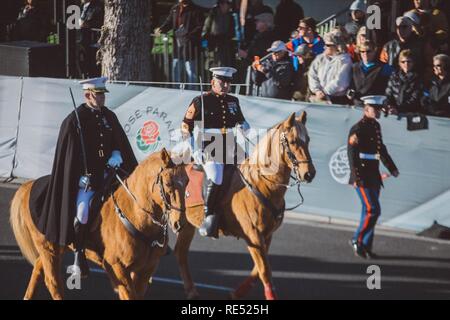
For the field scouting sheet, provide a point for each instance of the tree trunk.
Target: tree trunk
(125, 40)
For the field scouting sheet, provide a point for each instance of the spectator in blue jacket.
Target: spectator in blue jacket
(309, 36)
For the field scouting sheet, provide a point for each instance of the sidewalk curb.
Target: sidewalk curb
(339, 221)
(324, 221)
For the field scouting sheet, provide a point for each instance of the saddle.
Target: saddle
(196, 188)
(39, 191)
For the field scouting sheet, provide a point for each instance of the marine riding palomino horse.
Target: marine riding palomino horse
(253, 205)
(150, 199)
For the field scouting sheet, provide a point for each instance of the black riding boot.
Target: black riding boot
(210, 222)
(80, 264)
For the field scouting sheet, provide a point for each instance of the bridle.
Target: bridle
(295, 167)
(295, 163)
(164, 221)
(168, 207)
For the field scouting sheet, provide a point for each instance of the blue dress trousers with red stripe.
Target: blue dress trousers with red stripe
(365, 150)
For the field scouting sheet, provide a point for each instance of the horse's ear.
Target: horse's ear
(290, 122)
(302, 118)
(167, 160)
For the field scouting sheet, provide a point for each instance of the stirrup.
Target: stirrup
(209, 227)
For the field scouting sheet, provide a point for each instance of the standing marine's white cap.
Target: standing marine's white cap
(95, 84)
(223, 73)
(374, 100)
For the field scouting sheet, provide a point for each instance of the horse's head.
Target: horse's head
(171, 183)
(294, 140)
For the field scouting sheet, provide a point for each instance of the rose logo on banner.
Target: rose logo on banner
(149, 130)
(339, 166)
(147, 138)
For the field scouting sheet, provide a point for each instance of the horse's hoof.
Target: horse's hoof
(270, 295)
(269, 292)
(193, 295)
(233, 296)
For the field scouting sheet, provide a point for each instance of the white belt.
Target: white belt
(369, 156)
(219, 131)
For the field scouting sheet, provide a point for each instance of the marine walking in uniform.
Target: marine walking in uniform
(218, 113)
(365, 150)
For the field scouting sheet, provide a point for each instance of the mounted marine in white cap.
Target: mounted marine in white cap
(223, 73)
(95, 84)
(218, 113)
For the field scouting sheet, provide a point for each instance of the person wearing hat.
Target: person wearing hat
(330, 73)
(81, 158)
(275, 75)
(308, 35)
(254, 8)
(305, 57)
(365, 150)
(222, 113)
(358, 18)
(369, 76)
(407, 39)
(262, 40)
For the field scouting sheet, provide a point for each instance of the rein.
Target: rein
(162, 224)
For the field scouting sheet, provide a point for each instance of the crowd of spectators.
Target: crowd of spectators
(290, 60)
(287, 56)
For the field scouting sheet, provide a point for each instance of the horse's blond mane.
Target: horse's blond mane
(266, 155)
(264, 148)
(152, 163)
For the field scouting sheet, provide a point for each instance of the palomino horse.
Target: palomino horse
(155, 193)
(243, 213)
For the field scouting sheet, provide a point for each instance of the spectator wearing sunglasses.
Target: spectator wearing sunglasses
(362, 36)
(405, 87)
(306, 35)
(370, 76)
(407, 39)
(329, 76)
(436, 99)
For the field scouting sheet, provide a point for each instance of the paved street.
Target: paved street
(310, 261)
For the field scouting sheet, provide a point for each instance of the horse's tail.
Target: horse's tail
(19, 210)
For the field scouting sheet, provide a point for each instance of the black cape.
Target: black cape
(53, 198)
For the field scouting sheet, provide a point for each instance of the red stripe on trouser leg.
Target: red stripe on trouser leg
(368, 213)
(269, 292)
(244, 287)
